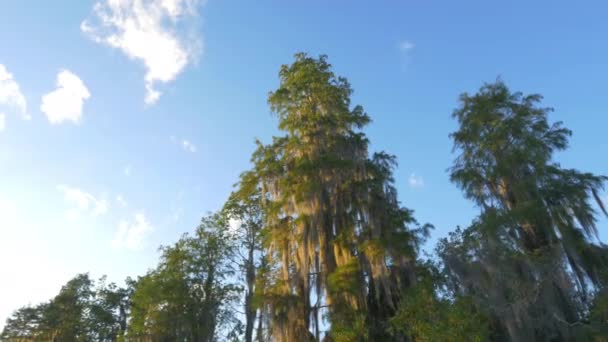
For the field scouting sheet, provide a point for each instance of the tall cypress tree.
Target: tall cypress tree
(339, 242)
(528, 257)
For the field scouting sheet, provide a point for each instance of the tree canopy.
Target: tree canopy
(313, 244)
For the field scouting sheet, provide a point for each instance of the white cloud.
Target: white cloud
(65, 103)
(177, 214)
(101, 207)
(2, 121)
(121, 201)
(188, 146)
(415, 181)
(10, 94)
(405, 46)
(131, 234)
(148, 31)
(82, 203)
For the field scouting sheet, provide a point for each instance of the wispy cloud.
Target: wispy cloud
(121, 201)
(177, 214)
(127, 170)
(405, 49)
(132, 233)
(415, 181)
(405, 46)
(149, 31)
(188, 146)
(65, 103)
(82, 202)
(10, 93)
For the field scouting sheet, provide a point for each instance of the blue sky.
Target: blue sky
(123, 122)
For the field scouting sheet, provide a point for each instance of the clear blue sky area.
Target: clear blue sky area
(132, 119)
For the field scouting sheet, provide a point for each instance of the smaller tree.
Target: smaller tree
(108, 311)
(188, 295)
(528, 257)
(80, 312)
(24, 324)
(245, 217)
(430, 313)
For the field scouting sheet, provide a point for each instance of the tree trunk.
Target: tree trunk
(250, 311)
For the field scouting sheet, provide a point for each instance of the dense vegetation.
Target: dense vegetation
(313, 244)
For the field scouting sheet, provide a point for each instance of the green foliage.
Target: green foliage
(426, 317)
(243, 209)
(351, 328)
(527, 258)
(314, 244)
(339, 243)
(598, 317)
(345, 278)
(186, 297)
(78, 313)
(506, 146)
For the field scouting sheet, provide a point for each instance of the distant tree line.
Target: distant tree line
(314, 245)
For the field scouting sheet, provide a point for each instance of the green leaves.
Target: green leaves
(337, 238)
(312, 101)
(314, 243)
(186, 296)
(536, 222)
(80, 312)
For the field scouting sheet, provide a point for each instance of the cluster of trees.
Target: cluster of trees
(82, 311)
(314, 245)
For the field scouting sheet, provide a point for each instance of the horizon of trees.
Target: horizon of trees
(324, 250)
